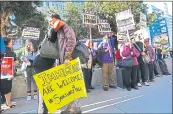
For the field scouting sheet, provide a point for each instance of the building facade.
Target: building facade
(168, 18)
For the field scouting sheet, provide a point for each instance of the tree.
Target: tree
(25, 13)
(74, 18)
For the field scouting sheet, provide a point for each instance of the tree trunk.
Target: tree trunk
(4, 21)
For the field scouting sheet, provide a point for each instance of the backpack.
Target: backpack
(49, 46)
(82, 52)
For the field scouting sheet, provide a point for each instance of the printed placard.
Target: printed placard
(31, 33)
(7, 68)
(125, 21)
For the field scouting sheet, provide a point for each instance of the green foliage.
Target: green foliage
(26, 15)
(151, 17)
(107, 10)
(18, 53)
(74, 18)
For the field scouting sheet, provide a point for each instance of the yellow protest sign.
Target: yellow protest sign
(61, 85)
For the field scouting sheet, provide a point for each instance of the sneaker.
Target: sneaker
(5, 107)
(146, 84)
(88, 91)
(91, 87)
(35, 97)
(139, 85)
(128, 89)
(136, 87)
(2, 110)
(28, 97)
(105, 88)
(158, 75)
(151, 80)
(113, 86)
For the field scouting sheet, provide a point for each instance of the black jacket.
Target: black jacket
(10, 53)
(139, 47)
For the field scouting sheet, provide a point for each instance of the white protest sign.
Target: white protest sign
(143, 19)
(125, 21)
(104, 26)
(89, 17)
(31, 33)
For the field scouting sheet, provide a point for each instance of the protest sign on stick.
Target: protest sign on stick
(31, 33)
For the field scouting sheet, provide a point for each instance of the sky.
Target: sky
(161, 6)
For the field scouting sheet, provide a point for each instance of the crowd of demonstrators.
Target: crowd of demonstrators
(28, 57)
(6, 84)
(136, 57)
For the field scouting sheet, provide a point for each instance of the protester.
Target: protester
(107, 64)
(150, 52)
(128, 51)
(92, 56)
(6, 84)
(66, 42)
(28, 57)
(143, 71)
(162, 63)
(157, 70)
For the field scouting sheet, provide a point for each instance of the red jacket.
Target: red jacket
(117, 55)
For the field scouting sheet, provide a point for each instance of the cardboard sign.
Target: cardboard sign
(125, 21)
(61, 85)
(89, 17)
(122, 36)
(143, 19)
(31, 33)
(7, 68)
(104, 27)
(164, 39)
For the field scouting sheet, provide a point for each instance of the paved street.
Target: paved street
(156, 98)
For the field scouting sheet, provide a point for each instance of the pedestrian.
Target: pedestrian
(107, 64)
(127, 52)
(28, 57)
(6, 84)
(143, 68)
(150, 52)
(61, 32)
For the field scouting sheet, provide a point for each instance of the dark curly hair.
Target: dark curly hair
(56, 16)
(7, 41)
